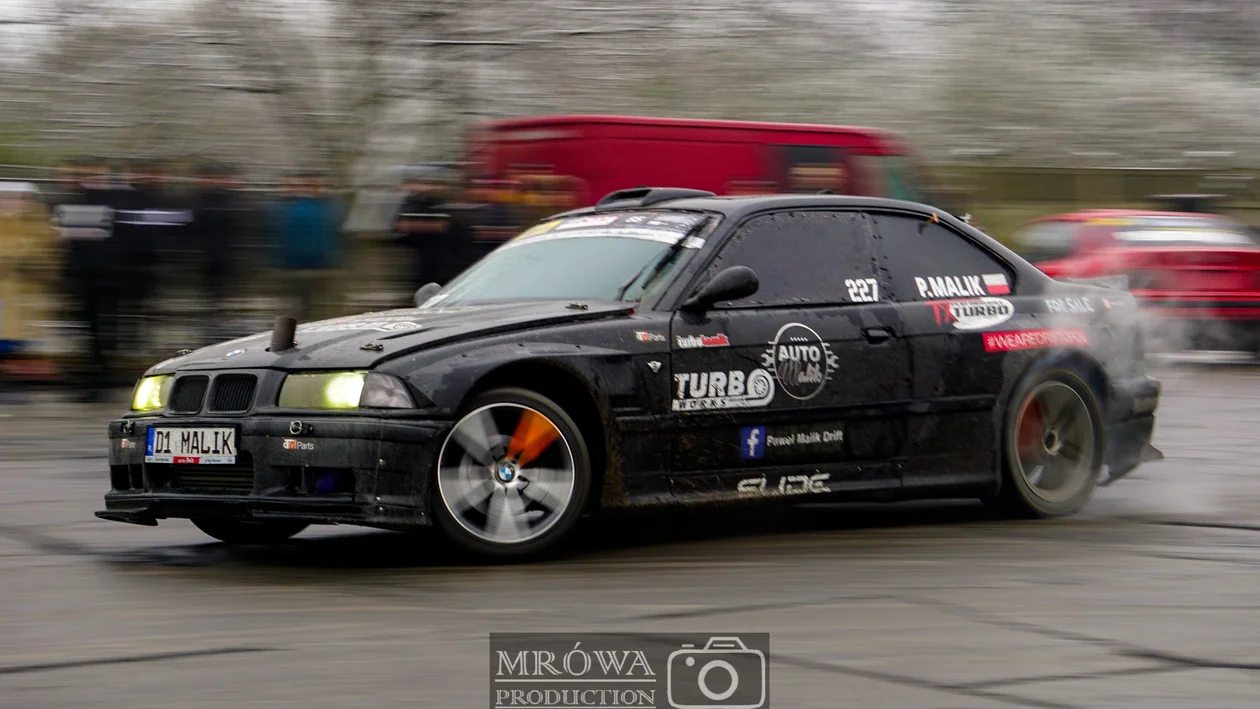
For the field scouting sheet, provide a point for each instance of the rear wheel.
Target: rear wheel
(513, 475)
(1053, 445)
(238, 531)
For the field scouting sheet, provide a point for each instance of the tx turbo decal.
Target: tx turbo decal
(944, 287)
(1069, 305)
(1033, 339)
(693, 342)
(802, 362)
(732, 389)
(972, 314)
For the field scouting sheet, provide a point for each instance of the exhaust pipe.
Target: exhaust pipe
(282, 335)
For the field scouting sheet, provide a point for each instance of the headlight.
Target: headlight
(151, 393)
(344, 390)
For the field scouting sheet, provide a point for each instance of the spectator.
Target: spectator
(424, 228)
(216, 221)
(26, 272)
(86, 229)
(306, 226)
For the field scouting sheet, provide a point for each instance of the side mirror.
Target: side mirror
(426, 291)
(729, 284)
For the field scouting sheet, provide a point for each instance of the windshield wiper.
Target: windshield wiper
(666, 259)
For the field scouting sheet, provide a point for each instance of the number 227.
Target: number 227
(862, 290)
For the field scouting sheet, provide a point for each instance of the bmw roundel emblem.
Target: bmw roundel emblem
(233, 353)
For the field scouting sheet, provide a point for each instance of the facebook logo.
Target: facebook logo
(752, 442)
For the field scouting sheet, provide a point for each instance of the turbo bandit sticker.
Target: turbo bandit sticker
(732, 389)
(802, 362)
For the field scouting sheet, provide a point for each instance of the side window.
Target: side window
(805, 258)
(1045, 241)
(928, 261)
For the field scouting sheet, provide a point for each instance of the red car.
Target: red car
(1198, 274)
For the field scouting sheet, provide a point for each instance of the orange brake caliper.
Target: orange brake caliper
(533, 434)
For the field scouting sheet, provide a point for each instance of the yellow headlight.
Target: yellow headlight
(151, 393)
(330, 390)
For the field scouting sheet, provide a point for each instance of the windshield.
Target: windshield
(618, 255)
(1183, 231)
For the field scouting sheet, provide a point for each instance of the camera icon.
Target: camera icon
(724, 674)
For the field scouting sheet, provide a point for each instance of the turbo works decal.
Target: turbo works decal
(733, 389)
(693, 342)
(1070, 305)
(1033, 339)
(802, 362)
(972, 314)
(946, 287)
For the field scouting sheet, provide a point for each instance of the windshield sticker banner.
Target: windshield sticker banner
(733, 389)
(972, 314)
(944, 287)
(802, 362)
(1033, 339)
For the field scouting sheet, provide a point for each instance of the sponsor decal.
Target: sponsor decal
(946, 287)
(802, 362)
(1033, 339)
(293, 444)
(734, 389)
(862, 290)
(635, 219)
(642, 336)
(782, 485)
(693, 342)
(378, 325)
(654, 366)
(996, 284)
(754, 442)
(126, 443)
(582, 222)
(1070, 305)
(539, 229)
(972, 314)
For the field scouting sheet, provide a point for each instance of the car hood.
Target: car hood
(340, 343)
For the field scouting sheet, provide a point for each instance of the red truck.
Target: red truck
(558, 162)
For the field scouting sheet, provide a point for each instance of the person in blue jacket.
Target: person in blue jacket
(306, 224)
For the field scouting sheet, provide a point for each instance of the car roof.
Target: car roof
(737, 206)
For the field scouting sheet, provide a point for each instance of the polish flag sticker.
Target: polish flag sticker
(996, 283)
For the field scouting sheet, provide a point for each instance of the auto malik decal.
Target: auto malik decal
(974, 314)
(802, 362)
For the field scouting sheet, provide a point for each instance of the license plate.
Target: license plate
(191, 446)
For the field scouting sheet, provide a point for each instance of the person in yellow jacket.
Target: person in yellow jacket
(28, 271)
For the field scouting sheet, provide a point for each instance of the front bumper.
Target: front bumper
(362, 471)
(1130, 422)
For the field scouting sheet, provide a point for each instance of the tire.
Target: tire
(1052, 413)
(512, 476)
(236, 531)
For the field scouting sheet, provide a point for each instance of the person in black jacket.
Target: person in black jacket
(216, 220)
(424, 227)
(85, 222)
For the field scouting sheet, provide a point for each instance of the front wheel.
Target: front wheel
(1053, 445)
(238, 531)
(512, 476)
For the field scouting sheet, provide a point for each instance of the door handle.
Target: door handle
(877, 334)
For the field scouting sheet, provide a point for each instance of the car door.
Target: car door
(954, 299)
(794, 390)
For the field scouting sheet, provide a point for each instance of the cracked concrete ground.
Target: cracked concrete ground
(1149, 599)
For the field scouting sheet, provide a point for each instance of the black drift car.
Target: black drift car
(665, 347)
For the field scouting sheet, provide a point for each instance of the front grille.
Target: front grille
(236, 478)
(233, 393)
(188, 394)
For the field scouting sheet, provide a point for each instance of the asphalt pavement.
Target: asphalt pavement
(1150, 598)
